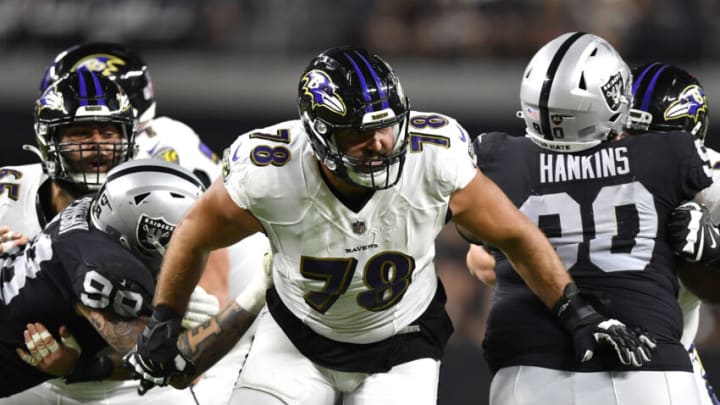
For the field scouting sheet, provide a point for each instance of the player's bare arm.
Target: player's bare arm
(483, 212)
(120, 333)
(204, 345)
(214, 221)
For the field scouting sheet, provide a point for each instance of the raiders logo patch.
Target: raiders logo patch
(613, 91)
(153, 233)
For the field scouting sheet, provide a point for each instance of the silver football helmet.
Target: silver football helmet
(575, 93)
(141, 203)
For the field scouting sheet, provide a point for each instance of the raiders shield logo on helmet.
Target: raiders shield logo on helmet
(154, 233)
(613, 91)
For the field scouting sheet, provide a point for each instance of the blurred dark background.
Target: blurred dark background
(228, 66)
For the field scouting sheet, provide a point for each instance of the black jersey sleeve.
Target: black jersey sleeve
(105, 275)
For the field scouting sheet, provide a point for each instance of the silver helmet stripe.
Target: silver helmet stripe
(149, 168)
(547, 84)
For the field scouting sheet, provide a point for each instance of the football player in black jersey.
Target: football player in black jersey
(605, 202)
(92, 269)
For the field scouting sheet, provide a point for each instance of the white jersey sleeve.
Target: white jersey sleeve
(711, 195)
(19, 187)
(173, 141)
(352, 276)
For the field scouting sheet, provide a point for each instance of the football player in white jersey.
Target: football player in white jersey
(171, 140)
(158, 137)
(352, 196)
(668, 98)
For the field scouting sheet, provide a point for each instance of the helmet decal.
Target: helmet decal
(650, 88)
(111, 61)
(690, 103)
(153, 233)
(363, 83)
(612, 91)
(141, 203)
(548, 83)
(123, 102)
(97, 94)
(575, 93)
(167, 154)
(318, 85)
(668, 98)
(52, 99)
(107, 65)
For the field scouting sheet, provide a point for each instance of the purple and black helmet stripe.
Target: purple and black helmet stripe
(547, 84)
(364, 70)
(650, 86)
(87, 94)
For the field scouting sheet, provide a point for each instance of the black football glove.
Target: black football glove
(156, 358)
(590, 330)
(693, 235)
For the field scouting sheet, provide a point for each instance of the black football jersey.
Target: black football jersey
(69, 262)
(605, 210)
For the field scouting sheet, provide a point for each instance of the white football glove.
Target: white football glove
(252, 298)
(692, 235)
(202, 306)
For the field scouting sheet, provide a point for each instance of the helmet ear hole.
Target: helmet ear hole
(582, 83)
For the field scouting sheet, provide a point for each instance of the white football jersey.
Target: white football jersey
(19, 187)
(355, 277)
(167, 139)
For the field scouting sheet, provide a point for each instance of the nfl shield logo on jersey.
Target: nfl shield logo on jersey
(359, 227)
(153, 233)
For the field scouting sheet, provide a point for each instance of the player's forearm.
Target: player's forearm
(206, 344)
(182, 266)
(535, 260)
(121, 334)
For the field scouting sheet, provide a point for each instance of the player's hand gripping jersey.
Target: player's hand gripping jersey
(605, 210)
(349, 275)
(69, 263)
